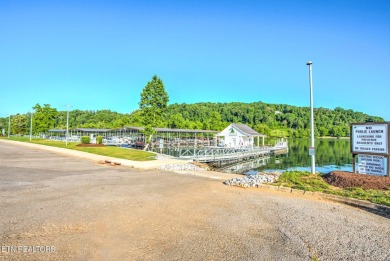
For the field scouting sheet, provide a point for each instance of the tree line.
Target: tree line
(274, 120)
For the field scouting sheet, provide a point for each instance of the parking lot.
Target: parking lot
(80, 210)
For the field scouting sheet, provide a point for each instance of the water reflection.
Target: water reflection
(331, 154)
(248, 166)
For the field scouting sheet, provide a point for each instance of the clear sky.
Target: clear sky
(100, 54)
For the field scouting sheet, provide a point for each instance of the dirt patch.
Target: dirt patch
(344, 179)
(90, 145)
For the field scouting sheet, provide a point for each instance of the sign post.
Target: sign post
(370, 141)
(311, 151)
(313, 158)
(373, 165)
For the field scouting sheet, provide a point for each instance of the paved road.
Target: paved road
(84, 211)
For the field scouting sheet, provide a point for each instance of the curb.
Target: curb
(149, 165)
(376, 208)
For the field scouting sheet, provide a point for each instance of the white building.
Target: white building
(239, 135)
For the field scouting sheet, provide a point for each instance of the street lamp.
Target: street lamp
(9, 125)
(67, 123)
(312, 148)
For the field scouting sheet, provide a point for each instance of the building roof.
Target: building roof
(137, 129)
(185, 130)
(91, 130)
(168, 130)
(246, 130)
(57, 130)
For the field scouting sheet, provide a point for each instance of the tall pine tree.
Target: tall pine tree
(153, 104)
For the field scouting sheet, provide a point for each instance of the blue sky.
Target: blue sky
(100, 54)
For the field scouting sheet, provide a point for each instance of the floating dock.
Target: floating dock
(208, 155)
(220, 156)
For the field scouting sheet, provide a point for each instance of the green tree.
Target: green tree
(263, 129)
(337, 131)
(323, 131)
(176, 121)
(215, 122)
(135, 118)
(44, 118)
(19, 124)
(153, 105)
(3, 125)
(154, 102)
(270, 119)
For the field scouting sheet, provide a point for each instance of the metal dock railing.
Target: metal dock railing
(213, 154)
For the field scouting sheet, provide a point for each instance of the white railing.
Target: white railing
(217, 153)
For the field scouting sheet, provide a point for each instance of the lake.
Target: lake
(331, 154)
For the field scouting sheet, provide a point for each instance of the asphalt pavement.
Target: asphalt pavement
(64, 207)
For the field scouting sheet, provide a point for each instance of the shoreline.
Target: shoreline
(330, 137)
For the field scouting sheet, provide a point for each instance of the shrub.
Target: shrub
(303, 180)
(85, 140)
(99, 139)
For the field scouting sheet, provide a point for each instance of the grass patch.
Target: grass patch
(314, 182)
(375, 196)
(279, 133)
(111, 151)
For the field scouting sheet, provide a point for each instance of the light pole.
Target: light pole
(67, 123)
(312, 148)
(31, 126)
(9, 125)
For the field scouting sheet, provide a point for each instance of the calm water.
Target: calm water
(331, 154)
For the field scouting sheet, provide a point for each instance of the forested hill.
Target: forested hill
(278, 120)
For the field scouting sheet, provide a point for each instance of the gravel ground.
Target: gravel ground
(85, 211)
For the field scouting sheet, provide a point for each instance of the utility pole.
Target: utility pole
(312, 148)
(9, 125)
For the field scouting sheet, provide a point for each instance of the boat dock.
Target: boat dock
(207, 155)
(223, 156)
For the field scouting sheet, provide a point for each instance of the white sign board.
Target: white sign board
(369, 138)
(311, 151)
(373, 165)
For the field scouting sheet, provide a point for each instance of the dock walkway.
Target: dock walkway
(227, 155)
(218, 154)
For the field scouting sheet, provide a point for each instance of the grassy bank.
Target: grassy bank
(111, 151)
(309, 182)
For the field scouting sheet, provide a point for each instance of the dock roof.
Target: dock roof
(136, 128)
(91, 130)
(168, 130)
(57, 130)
